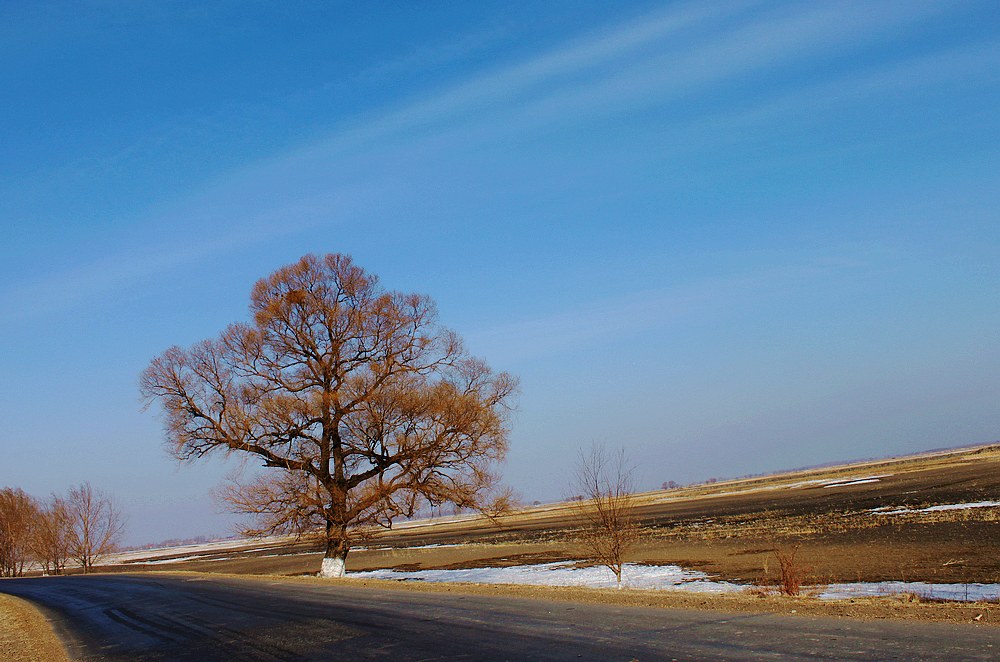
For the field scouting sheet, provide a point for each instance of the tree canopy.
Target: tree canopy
(364, 405)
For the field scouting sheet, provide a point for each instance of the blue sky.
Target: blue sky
(730, 237)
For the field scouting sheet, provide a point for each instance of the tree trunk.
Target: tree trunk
(335, 558)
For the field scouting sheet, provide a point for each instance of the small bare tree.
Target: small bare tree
(607, 508)
(95, 525)
(503, 502)
(52, 536)
(362, 404)
(18, 514)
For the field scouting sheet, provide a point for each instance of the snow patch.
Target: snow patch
(844, 482)
(217, 546)
(834, 482)
(957, 592)
(893, 510)
(567, 574)
(430, 521)
(674, 578)
(853, 482)
(176, 559)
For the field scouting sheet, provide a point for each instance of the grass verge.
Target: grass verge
(25, 635)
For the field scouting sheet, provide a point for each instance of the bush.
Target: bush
(793, 573)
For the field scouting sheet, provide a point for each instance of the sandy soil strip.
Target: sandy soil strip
(25, 635)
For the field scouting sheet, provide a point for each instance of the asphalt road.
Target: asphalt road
(118, 617)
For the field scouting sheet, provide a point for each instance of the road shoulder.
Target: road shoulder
(25, 634)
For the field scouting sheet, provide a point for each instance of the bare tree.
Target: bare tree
(366, 407)
(607, 507)
(53, 536)
(95, 525)
(504, 502)
(18, 513)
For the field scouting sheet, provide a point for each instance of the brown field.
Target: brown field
(728, 529)
(25, 635)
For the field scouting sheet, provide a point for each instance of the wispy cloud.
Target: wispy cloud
(663, 57)
(660, 59)
(637, 312)
(747, 51)
(961, 64)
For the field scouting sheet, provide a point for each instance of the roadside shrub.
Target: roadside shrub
(793, 573)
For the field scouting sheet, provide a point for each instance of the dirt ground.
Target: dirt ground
(25, 635)
(729, 530)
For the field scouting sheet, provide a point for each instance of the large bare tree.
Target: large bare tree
(363, 405)
(607, 507)
(95, 524)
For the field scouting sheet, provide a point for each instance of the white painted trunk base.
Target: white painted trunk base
(332, 568)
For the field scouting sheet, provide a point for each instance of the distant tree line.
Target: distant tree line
(81, 527)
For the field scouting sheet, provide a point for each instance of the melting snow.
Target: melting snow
(959, 592)
(566, 574)
(672, 577)
(217, 546)
(891, 510)
(853, 482)
(177, 559)
(844, 482)
(409, 524)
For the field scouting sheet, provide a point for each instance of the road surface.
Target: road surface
(123, 617)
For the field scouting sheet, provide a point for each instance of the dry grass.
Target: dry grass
(25, 635)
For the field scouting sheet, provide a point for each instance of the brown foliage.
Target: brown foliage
(793, 573)
(18, 512)
(52, 539)
(607, 507)
(365, 405)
